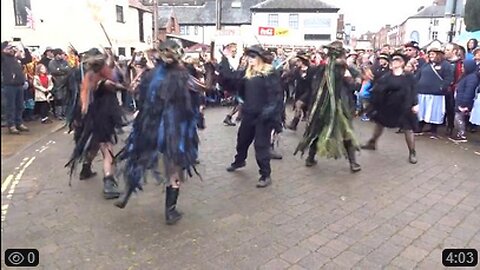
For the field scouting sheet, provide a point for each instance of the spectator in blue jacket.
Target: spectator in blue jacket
(433, 81)
(464, 99)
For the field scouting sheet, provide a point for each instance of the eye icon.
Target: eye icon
(16, 258)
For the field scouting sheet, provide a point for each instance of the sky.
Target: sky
(371, 15)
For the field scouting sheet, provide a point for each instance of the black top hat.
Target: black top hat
(303, 56)
(384, 56)
(412, 44)
(398, 55)
(57, 51)
(5, 45)
(257, 49)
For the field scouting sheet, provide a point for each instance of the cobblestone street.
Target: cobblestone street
(391, 215)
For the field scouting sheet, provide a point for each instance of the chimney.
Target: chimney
(340, 23)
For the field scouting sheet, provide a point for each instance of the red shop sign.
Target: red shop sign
(266, 31)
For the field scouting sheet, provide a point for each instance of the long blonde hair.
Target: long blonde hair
(262, 69)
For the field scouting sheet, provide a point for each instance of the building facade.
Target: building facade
(300, 23)
(273, 22)
(430, 23)
(59, 23)
(197, 21)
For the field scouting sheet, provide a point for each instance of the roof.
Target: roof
(164, 16)
(138, 5)
(430, 12)
(205, 14)
(298, 5)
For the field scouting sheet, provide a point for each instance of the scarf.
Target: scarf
(43, 80)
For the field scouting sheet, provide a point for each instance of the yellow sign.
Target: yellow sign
(280, 31)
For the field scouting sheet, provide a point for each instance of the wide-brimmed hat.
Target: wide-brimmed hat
(58, 51)
(302, 55)
(257, 49)
(352, 53)
(384, 56)
(435, 49)
(336, 47)
(398, 55)
(412, 44)
(5, 44)
(94, 59)
(171, 51)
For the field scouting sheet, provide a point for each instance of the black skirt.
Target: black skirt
(392, 100)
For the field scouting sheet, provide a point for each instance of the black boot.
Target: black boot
(228, 121)
(234, 166)
(110, 188)
(171, 214)
(201, 121)
(87, 171)
(371, 145)
(310, 162)
(293, 124)
(312, 151)
(354, 166)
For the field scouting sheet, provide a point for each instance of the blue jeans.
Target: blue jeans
(14, 104)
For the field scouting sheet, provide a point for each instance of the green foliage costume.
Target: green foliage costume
(329, 130)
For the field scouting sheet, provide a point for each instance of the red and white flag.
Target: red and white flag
(30, 20)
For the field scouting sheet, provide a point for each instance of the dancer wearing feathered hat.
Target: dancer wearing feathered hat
(165, 129)
(329, 129)
(100, 116)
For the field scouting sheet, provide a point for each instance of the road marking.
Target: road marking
(7, 182)
(15, 182)
(16, 176)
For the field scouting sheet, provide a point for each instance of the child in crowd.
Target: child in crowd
(364, 93)
(43, 86)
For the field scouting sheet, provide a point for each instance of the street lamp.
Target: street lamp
(453, 8)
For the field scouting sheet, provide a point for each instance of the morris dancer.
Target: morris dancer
(101, 115)
(329, 130)
(166, 127)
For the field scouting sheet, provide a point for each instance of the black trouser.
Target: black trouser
(450, 109)
(312, 151)
(43, 109)
(251, 129)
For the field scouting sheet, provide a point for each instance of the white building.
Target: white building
(294, 23)
(428, 24)
(58, 23)
(273, 22)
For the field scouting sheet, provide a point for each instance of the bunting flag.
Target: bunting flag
(30, 20)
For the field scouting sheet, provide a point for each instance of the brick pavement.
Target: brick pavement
(392, 215)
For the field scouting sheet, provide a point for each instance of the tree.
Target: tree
(472, 17)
